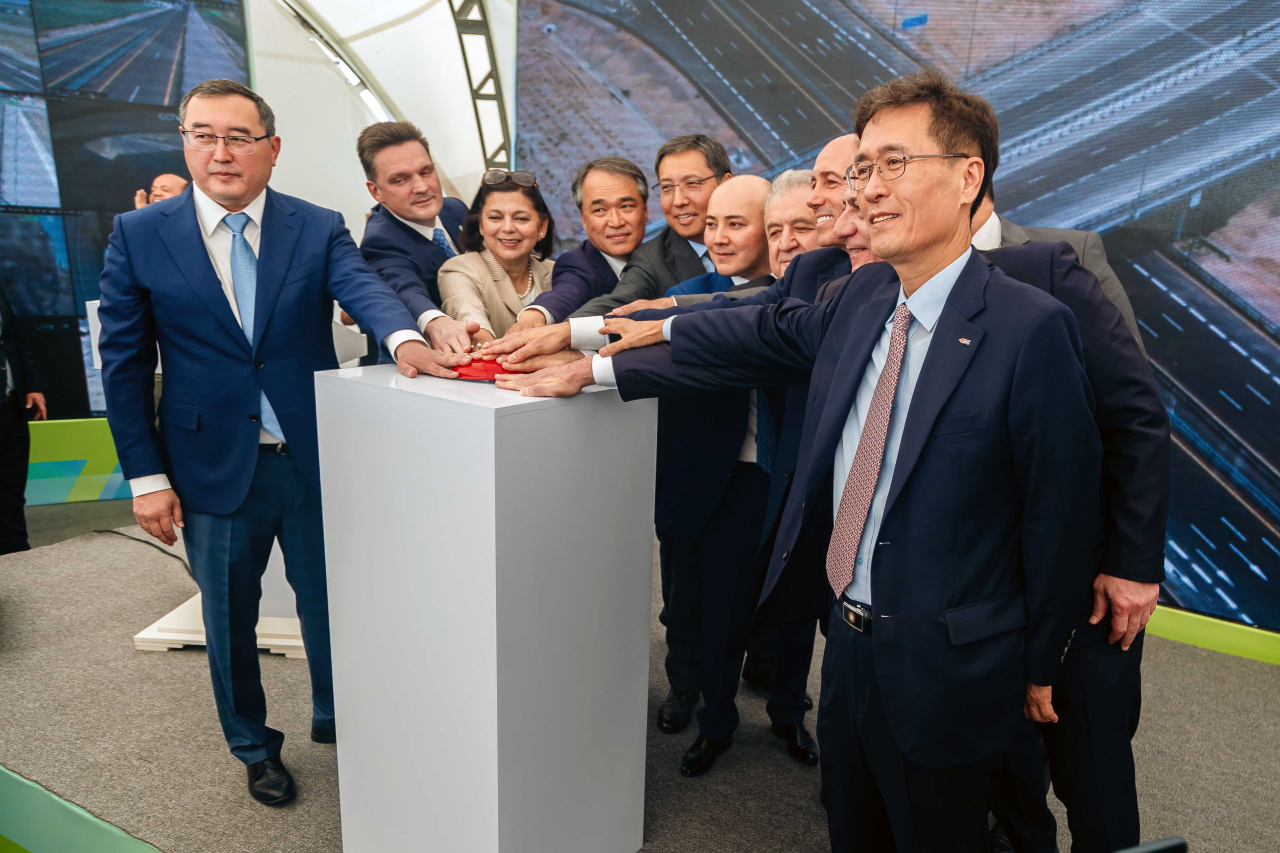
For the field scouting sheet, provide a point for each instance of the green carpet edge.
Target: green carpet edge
(33, 819)
(1217, 635)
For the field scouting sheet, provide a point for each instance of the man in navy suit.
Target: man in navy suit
(949, 476)
(413, 228)
(235, 283)
(612, 195)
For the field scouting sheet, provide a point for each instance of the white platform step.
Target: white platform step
(184, 626)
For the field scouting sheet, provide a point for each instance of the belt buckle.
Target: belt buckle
(858, 617)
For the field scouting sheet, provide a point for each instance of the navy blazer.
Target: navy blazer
(579, 276)
(990, 535)
(706, 441)
(159, 287)
(405, 259)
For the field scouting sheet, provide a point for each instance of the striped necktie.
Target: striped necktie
(244, 279)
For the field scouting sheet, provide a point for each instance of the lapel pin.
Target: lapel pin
(965, 341)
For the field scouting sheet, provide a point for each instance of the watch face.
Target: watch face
(483, 371)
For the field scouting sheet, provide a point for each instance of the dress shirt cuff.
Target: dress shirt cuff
(153, 483)
(666, 328)
(545, 313)
(602, 371)
(427, 316)
(584, 333)
(395, 339)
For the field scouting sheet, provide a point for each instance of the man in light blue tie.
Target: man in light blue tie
(235, 284)
(413, 228)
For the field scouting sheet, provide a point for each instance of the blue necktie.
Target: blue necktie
(766, 434)
(244, 278)
(437, 237)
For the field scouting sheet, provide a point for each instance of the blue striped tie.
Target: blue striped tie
(244, 278)
(437, 237)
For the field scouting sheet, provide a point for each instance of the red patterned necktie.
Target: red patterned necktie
(860, 488)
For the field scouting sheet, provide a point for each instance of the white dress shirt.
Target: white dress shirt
(988, 236)
(701, 249)
(429, 232)
(615, 264)
(217, 236)
(926, 306)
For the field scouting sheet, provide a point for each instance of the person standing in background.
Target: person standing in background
(164, 186)
(413, 229)
(21, 382)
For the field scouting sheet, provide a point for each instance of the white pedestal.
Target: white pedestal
(489, 561)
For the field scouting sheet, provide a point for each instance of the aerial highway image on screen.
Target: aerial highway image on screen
(19, 60)
(140, 51)
(1153, 123)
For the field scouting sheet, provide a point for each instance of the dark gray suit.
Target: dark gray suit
(658, 265)
(1088, 246)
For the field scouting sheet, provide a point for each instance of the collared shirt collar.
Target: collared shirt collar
(616, 264)
(739, 279)
(926, 303)
(427, 230)
(700, 248)
(210, 213)
(988, 236)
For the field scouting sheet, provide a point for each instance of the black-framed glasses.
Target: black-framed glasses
(493, 177)
(891, 166)
(690, 186)
(203, 141)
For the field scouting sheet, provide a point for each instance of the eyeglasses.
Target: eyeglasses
(890, 166)
(493, 177)
(202, 141)
(689, 186)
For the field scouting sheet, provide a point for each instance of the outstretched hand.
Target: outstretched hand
(565, 380)
(542, 362)
(644, 305)
(449, 335)
(635, 333)
(414, 357)
(513, 349)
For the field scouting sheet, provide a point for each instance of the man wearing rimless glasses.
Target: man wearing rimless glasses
(235, 283)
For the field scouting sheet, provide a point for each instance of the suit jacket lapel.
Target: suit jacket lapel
(598, 263)
(865, 331)
(503, 284)
(946, 363)
(1011, 233)
(180, 233)
(681, 259)
(275, 251)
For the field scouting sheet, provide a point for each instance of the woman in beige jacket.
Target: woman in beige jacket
(508, 234)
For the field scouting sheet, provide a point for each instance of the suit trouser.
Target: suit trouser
(1098, 699)
(228, 555)
(878, 800)
(15, 452)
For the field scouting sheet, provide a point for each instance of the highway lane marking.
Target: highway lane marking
(1253, 567)
(173, 69)
(1175, 547)
(1197, 315)
(1257, 394)
(1273, 548)
(1172, 322)
(1226, 598)
(98, 54)
(1229, 400)
(1266, 521)
(1178, 299)
(1200, 533)
(1232, 528)
(134, 56)
(1150, 331)
(1097, 152)
(1258, 365)
(1218, 331)
(1201, 572)
(1235, 346)
(842, 31)
(1220, 573)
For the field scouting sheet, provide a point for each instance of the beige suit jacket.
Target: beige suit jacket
(475, 288)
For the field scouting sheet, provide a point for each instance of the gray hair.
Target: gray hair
(788, 182)
(219, 87)
(619, 166)
(713, 152)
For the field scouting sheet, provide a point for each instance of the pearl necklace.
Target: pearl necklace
(528, 287)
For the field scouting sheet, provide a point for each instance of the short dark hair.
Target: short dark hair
(713, 152)
(619, 166)
(385, 134)
(218, 87)
(473, 242)
(960, 122)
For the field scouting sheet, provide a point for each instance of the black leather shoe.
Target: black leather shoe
(758, 673)
(800, 744)
(270, 782)
(324, 734)
(675, 711)
(701, 757)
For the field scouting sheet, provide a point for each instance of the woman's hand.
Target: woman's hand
(479, 339)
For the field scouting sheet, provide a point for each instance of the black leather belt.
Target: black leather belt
(278, 447)
(857, 615)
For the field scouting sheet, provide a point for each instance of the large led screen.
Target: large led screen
(1153, 124)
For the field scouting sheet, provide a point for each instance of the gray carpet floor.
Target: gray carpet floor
(133, 736)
